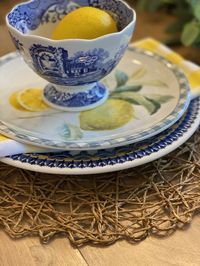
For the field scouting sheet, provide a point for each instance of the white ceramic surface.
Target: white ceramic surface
(95, 162)
(147, 95)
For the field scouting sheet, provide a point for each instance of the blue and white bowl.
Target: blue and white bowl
(74, 67)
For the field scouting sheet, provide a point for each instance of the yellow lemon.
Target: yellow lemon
(14, 102)
(85, 23)
(111, 115)
(2, 138)
(31, 100)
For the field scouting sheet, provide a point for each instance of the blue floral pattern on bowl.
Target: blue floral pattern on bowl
(122, 14)
(76, 100)
(17, 43)
(29, 16)
(56, 66)
(24, 17)
(69, 64)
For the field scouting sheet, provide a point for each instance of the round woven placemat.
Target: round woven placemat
(154, 199)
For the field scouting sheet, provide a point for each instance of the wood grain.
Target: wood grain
(181, 249)
(29, 252)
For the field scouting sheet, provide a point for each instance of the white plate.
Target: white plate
(102, 161)
(147, 96)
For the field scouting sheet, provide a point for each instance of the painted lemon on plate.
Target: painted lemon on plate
(14, 102)
(31, 99)
(111, 115)
(28, 100)
(85, 23)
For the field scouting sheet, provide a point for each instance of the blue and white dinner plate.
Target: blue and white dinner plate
(147, 96)
(102, 161)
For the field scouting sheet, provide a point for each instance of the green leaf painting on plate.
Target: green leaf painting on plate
(70, 132)
(119, 108)
(121, 78)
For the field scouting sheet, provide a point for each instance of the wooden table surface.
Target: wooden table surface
(182, 248)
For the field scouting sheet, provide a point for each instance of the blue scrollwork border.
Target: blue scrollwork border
(118, 155)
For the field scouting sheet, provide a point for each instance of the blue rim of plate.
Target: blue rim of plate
(119, 155)
(122, 140)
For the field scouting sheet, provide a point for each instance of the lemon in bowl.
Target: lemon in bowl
(73, 58)
(85, 23)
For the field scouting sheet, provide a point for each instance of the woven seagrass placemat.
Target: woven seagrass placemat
(154, 199)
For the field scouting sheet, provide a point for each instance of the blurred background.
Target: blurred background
(174, 22)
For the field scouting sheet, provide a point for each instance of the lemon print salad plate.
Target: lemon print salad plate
(115, 159)
(147, 95)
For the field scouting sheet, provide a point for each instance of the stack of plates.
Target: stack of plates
(149, 114)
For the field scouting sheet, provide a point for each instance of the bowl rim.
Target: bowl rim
(41, 38)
